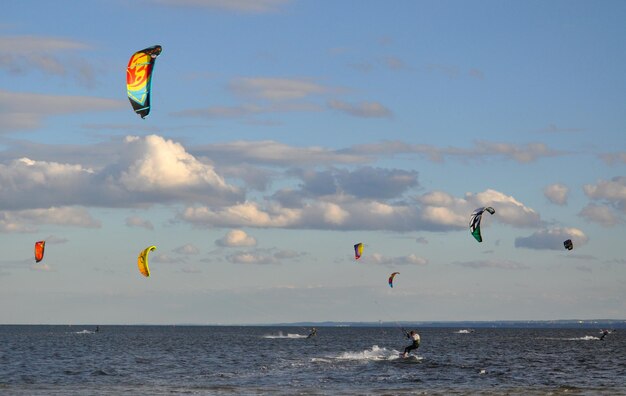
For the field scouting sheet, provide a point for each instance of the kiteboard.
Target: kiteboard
(408, 359)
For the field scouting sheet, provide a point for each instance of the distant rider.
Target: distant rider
(313, 333)
(605, 333)
(413, 336)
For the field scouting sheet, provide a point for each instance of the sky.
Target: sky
(283, 132)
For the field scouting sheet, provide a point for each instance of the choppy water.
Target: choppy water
(158, 360)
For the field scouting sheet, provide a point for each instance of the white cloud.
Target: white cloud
(187, 249)
(49, 55)
(277, 89)
(41, 266)
(601, 214)
(363, 109)
(498, 264)
(614, 158)
(433, 212)
(441, 210)
(236, 238)
(262, 256)
(556, 193)
(30, 220)
(162, 164)
(136, 221)
(377, 258)
(19, 111)
(552, 239)
(612, 191)
(252, 258)
(520, 153)
(140, 171)
(268, 152)
(247, 6)
(245, 111)
(32, 44)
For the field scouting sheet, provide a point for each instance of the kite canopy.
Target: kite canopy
(569, 245)
(40, 246)
(142, 261)
(475, 220)
(391, 278)
(139, 79)
(358, 250)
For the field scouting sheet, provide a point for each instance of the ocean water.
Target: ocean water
(190, 360)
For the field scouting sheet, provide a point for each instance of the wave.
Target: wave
(85, 332)
(465, 331)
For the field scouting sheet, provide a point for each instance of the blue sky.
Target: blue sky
(284, 132)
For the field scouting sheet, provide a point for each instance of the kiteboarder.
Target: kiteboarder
(313, 333)
(413, 336)
(605, 333)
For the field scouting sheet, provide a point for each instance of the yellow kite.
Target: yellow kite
(142, 261)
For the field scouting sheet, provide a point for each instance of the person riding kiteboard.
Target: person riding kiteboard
(415, 338)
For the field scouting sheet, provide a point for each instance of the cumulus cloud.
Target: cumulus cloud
(611, 195)
(601, 214)
(143, 171)
(136, 221)
(187, 249)
(363, 109)
(159, 165)
(236, 238)
(552, 239)
(444, 211)
(262, 256)
(433, 212)
(556, 193)
(612, 191)
(364, 182)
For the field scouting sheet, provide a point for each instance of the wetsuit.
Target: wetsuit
(416, 343)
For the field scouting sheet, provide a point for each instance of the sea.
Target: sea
(266, 360)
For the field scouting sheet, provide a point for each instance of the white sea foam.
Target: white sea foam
(288, 335)
(585, 338)
(376, 353)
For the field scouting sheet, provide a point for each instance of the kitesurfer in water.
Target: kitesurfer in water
(313, 333)
(415, 338)
(605, 333)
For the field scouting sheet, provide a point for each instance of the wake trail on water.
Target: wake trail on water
(584, 338)
(287, 336)
(374, 354)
